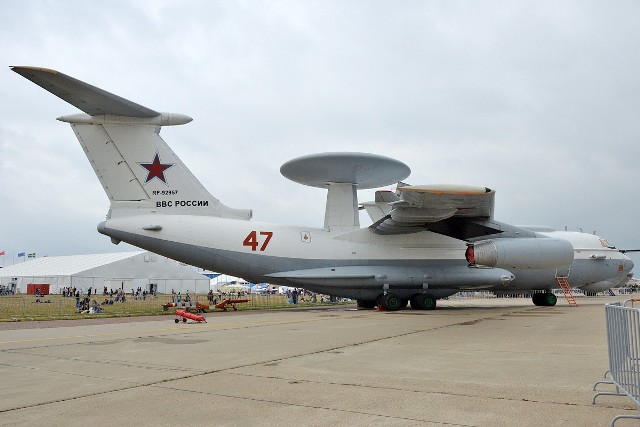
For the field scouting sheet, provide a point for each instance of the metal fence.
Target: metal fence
(577, 293)
(623, 339)
(48, 307)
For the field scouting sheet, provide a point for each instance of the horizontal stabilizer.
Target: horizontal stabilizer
(90, 99)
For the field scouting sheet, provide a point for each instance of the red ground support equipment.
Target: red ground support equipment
(186, 315)
(232, 302)
(201, 308)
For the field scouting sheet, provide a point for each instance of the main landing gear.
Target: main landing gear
(423, 302)
(393, 302)
(390, 302)
(544, 299)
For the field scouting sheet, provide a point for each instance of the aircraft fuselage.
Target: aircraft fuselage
(358, 264)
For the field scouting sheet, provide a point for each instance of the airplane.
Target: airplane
(426, 242)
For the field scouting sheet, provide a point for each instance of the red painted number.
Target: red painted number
(252, 240)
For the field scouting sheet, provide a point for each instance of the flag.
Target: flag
(20, 254)
(1, 253)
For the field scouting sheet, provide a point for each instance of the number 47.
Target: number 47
(252, 240)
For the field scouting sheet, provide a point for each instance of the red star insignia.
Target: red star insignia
(156, 169)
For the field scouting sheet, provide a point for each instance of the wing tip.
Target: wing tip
(25, 68)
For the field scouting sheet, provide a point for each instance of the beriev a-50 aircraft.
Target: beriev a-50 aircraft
(426, 241)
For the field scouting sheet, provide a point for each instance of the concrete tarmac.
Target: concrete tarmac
(501, 362)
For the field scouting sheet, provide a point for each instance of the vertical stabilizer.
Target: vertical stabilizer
(137, 169)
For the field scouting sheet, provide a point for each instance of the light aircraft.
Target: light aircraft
(426, 242)
(264, 289)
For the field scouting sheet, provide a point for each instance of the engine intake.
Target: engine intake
(523, 253)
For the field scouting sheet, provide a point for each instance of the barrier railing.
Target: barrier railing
(623, 339)
(30, 307)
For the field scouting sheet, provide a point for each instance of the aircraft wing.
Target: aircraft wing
(90, 99)
(358, 276)
(438, 208)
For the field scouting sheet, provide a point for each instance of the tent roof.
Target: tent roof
(64, 265)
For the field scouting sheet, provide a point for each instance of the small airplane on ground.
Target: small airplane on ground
(426, 241)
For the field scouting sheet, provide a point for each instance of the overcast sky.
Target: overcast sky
(538, 100)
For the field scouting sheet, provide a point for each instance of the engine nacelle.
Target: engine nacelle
(521, 253)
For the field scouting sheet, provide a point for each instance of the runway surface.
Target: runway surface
(468, 363)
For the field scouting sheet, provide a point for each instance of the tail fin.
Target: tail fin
(137, 169)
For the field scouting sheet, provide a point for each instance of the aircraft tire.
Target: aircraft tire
(391, 302)
(423, 302)
(538, 299)
(429, 303)
(550, 299)
(363, 303)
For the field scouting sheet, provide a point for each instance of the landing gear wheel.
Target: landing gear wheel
(423, 302)
(429, 303)
(537, 299)
(546, 299)
(362, 303)
(391, 302)
(550, 299)
(184, 320)
(177, 321)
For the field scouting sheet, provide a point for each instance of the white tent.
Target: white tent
(122, 270)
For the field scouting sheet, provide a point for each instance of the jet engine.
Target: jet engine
(522, 253)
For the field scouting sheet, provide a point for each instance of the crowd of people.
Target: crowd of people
(113, 295)
(7, 290)
(85, 303)
(299, 295)
(142, 294)
(179, 298)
